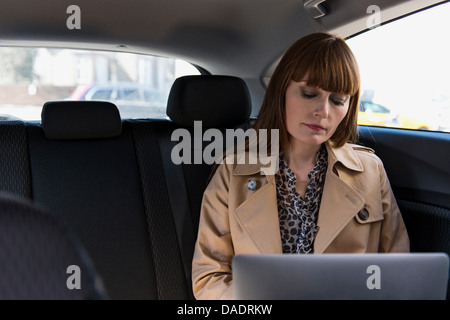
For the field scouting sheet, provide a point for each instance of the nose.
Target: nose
(322, 108)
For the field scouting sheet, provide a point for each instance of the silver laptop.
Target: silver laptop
(386, 276)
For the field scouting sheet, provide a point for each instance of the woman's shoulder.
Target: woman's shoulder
(363, 150)
(365, 154)
(354, 157)
(358, 147)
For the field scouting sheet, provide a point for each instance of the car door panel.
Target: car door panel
(417, 164)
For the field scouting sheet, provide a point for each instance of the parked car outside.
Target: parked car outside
(132, 100)
(374, 114)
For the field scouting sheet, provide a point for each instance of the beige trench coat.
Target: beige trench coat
(236, 220)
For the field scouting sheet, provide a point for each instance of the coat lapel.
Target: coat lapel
(258, 215)
(340, 203)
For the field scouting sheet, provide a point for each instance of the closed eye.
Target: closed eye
(338, 100)
(308, 95)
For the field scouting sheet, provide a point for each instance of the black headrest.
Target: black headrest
(218, 101)
(67, 120)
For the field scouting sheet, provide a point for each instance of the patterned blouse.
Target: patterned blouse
(298, 216)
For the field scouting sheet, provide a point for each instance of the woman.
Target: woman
(328, 195)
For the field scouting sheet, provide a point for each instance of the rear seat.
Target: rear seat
(220, 102)
(111, 180)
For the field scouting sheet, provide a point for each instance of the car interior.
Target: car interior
(110, 180)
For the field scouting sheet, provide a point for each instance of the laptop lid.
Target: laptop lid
(409, 276)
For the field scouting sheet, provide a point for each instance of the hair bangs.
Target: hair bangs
(331, 67)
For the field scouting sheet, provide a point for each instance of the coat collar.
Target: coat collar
(346, 155)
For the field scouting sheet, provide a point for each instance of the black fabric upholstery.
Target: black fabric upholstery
(428, 226)
(67, 120)
(94, 186)
(36, 253)
(178, 196)
(14, 159)
(218, 101)
(171, 282)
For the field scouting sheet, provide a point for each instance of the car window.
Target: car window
(374, 107)
(130, 94)
(404, 71)
(102, 94)
(138, 84)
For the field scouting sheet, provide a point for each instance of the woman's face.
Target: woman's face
(312, 114)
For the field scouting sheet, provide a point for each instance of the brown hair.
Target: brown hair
(331, 66)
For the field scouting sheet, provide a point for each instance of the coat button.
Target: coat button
(251, 185)
(363, 214)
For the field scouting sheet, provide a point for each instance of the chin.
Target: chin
(313, 141)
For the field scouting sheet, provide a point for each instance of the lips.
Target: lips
(314, 127)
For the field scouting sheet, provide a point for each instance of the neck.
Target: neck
(300, 155)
